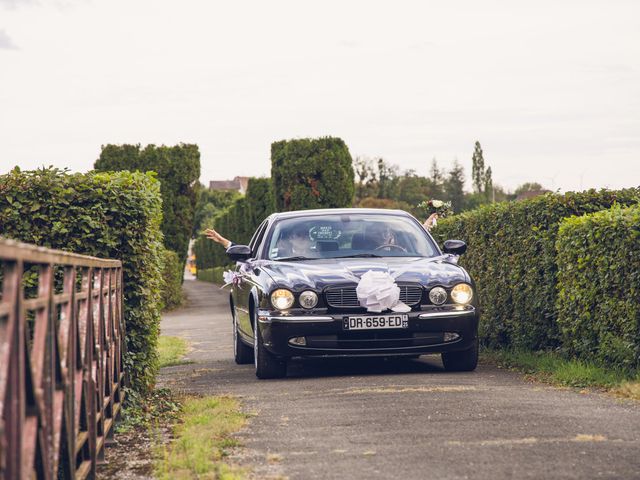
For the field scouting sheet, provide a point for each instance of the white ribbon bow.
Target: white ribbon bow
(230, 277)
(378, 291)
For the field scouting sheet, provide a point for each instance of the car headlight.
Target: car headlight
(438, 295)
(308, 299)
(282, 299)
(462, 293)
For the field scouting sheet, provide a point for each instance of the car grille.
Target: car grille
(346, 297)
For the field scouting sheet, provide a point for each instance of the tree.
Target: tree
(366, 179)
(477, 169)
(454, 186)
(529, 187)
(260, 201)
(210, 203)
(414, 189)
(436, 175)
(178, 169)
(387, 179)
(488, 186)
(312, 173)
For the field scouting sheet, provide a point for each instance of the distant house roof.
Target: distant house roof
(530, 194)
(238, 184)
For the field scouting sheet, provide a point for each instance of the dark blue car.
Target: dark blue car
(350, 283)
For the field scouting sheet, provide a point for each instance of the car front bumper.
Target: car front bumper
(432, 330)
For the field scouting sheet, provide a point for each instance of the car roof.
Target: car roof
(337, 211)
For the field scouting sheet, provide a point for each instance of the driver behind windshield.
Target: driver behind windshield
(295, 244)
(380, 237)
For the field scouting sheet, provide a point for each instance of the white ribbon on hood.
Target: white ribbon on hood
(231, 277)
(378, 291)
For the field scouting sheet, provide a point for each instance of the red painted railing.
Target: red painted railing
(61, 372)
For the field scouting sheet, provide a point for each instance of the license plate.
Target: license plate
(378, 322)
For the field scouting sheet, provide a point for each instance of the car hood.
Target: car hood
(318, 274)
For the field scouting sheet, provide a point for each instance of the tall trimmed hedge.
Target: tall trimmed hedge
(238, 222)
(172, 276)
(512, 257)
(108, 215)
(178, 170)
(599, 286)
(212, 275)
(312, 173)
(260, 201)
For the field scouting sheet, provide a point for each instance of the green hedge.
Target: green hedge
(512, 256)
(260, 201)
(312, 173)
(108, 215)
(213, 275)
(172, 275)
(599, 286)
(238, 222)
(210, 204)
(208, 253)
(178, 169)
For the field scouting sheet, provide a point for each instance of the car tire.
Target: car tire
(463, 361)
(242, 353)
(267, 365)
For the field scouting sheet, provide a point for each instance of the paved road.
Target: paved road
(409, 419)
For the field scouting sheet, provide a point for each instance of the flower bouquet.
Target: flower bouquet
(443, 209)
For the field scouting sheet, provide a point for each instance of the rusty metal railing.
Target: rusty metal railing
(61, 371)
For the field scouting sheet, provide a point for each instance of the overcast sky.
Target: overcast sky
(550, 89)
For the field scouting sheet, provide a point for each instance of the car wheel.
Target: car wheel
(463, 361)
(267, 365)
(242, 353)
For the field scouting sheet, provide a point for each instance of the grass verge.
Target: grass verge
(201, 440)
(171, 350)
(552, 368)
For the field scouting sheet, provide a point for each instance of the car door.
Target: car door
(248, 280)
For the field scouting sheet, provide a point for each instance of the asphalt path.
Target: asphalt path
(401, 419)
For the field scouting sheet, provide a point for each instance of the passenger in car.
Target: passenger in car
(297, 242)
(300, 241)
(211, 234)
(378, 236)
(431, 222)
(294, 242)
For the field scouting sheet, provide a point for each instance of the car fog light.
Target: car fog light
(300, 341)
(282, 299)
(450, 336)
(462, 293)
(438, 295)
(308, 299)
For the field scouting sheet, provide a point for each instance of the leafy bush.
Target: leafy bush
(210, 204)
(178, 170)
(172, 275)
(599, 286)
(209, 253)
(312, 173)
(260, 202)
(213, 275)
(512, 257)
(108, 215)
(237, 222)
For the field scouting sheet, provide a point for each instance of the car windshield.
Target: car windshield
(348, 235)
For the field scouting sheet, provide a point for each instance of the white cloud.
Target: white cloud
(5, 41)
(551, 89)
(16, 3)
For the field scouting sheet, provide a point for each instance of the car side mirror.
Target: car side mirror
(455, 247)
(239, 253)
